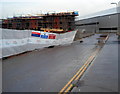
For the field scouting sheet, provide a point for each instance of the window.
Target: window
(27, 24)
(60, 22)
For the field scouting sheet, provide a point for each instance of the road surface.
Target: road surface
(48, 69)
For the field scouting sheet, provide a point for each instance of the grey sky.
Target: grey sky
(9, 8)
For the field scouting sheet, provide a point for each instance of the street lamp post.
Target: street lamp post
(114, 3)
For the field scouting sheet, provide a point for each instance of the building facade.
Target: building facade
(107, 22)
(64, 21)
(21, 23)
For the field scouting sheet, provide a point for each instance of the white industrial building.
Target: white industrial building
(103, 21)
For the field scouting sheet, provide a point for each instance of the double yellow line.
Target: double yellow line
(68, 87)
(78, 75)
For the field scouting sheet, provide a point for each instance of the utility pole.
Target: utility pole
(114, 3)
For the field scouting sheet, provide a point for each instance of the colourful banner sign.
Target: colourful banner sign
(36, 33)
(52, 36)
(44, 35)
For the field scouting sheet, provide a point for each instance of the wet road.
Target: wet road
(46, 70)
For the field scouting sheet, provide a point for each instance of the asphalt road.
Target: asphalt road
(102, 76)
(46, 70)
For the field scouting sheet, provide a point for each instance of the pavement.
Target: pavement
(46, 70)
(102, 75)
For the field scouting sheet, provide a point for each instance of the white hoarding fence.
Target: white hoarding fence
(18, 41)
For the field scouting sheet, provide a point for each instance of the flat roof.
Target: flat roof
(100, 13)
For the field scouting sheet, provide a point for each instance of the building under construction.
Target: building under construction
(64, 21)
(22, 23)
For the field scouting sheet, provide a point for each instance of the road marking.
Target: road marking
(80, 72)
(77, 75)
(73, 78)
(62, 90)
(68, 89)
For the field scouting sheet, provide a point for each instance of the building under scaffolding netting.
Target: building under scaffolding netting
(62, 22)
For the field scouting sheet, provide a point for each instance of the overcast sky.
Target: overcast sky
(10, 8)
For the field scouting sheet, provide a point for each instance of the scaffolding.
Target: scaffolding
(55, 22)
